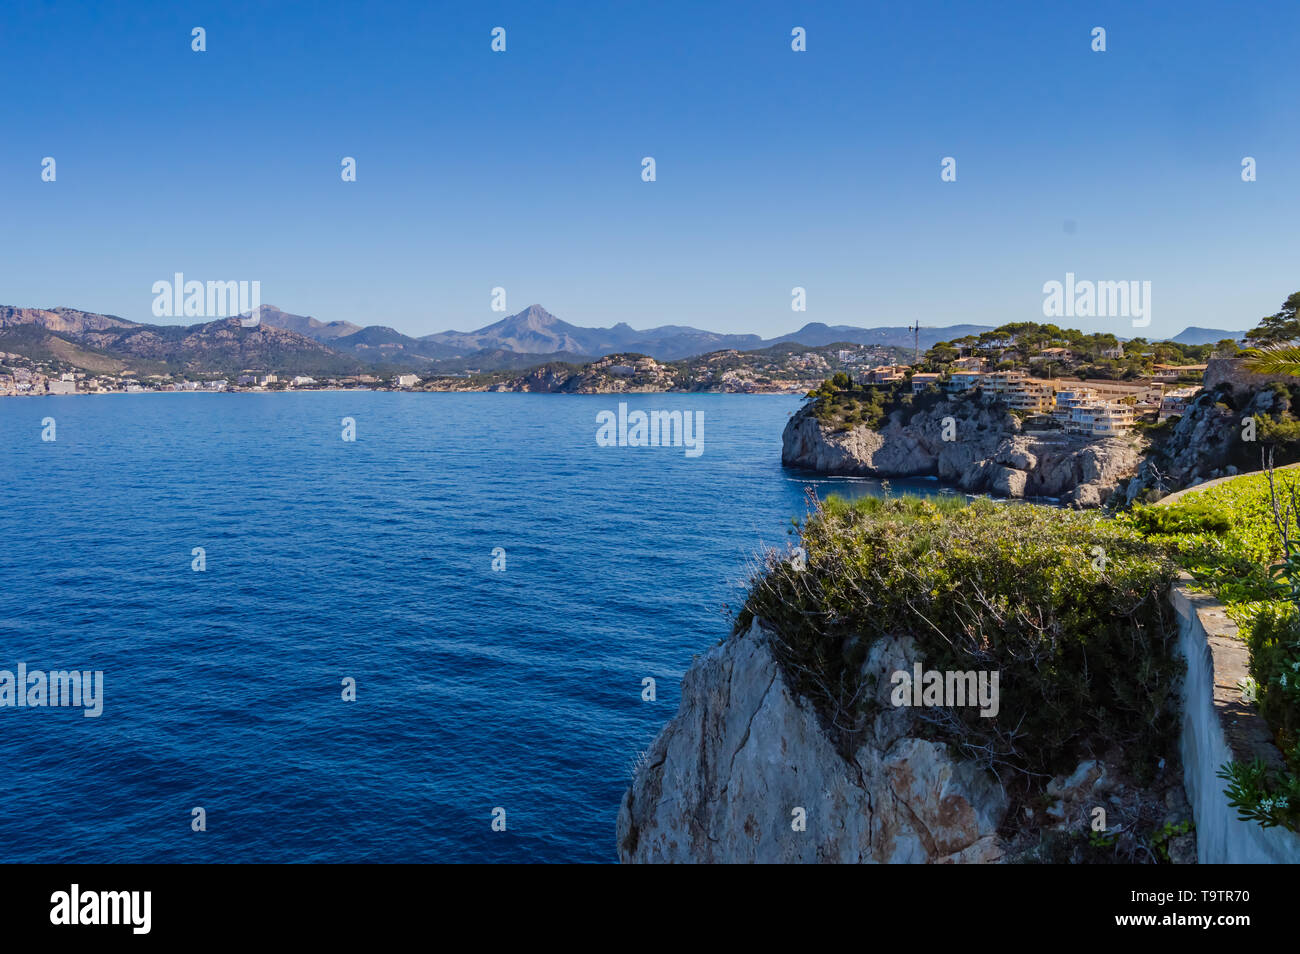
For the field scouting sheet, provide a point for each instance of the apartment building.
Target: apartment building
(1176, 402)
(923, 380)
(960, 381)
(1170, 372)
(1052, 354)
(885, 374)
(1069, 398)
(1100, 420)
(1144, 391)
(1077, 408)
(1018, 390)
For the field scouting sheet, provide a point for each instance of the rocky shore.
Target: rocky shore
(989, 452)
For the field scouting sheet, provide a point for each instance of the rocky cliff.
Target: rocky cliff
(1212, 439)
(746, 773)
(728, 779)
(988, 451)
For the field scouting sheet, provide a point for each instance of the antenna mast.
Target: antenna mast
(915, 328)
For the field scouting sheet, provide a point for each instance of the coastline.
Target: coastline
(237, 390)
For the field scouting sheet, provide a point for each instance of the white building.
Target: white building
(407, 380)
(1052, 354)
(1176, 402)
(1100, 420)
(1070, 398)
(964, 381)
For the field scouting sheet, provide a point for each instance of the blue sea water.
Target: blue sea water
(371, 559)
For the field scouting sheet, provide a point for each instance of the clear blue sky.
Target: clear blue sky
(775, 168)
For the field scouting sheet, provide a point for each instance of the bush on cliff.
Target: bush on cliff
(842, 410)
(1068, 607)
(872, 405)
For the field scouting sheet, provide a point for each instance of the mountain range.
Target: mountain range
(536, 331)
(303, 345)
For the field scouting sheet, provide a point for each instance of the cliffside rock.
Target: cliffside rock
(1008, 482)
(990, 453)
(727, 777)
(1205, 442)
(1232, 371)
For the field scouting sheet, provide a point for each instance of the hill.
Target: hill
(1204, 336)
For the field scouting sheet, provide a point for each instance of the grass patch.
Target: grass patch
(1227, 538)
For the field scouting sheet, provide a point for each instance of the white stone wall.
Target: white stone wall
(1218, 727)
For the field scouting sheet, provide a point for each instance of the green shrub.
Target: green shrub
(1068, 606)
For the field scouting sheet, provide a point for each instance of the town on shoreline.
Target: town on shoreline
(1091, 385)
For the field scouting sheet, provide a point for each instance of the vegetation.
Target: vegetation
(1241, 541)
(1283, 326)
(842, 407)
(1104, 356)
(1048, 598)
(836, 404)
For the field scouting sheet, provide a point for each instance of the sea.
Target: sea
(430, 643)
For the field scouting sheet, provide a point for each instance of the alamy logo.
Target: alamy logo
(656, 429)
(934, 687)
(1088, 299)
(75, 906)
(57, 688)
(179, 298)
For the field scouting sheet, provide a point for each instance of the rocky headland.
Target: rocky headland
(988, 451)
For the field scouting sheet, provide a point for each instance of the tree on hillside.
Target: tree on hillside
(941, 353)
(1276, 352)
(1280, 327)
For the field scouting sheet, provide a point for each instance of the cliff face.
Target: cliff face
(1206, 443)
(989, 453)
(744, 762)
(729, 777)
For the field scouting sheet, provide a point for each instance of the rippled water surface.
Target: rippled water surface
(371, 560)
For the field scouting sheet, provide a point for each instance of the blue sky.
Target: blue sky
(774, 168)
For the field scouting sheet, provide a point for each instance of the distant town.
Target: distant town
(34, 381)
(1094, 385)
(1091, 385)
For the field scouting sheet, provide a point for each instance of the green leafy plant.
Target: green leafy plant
(1268, 796)
(1160, 840)
(1101, 839)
